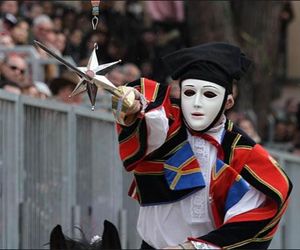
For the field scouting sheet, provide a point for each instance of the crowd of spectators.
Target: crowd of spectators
(137, 32)
(283, 127)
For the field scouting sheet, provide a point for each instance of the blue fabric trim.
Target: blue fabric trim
(186, 180)
(219, 165)
(236, 192)
(184, 153)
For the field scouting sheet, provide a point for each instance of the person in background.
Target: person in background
(43, 31)
(61, 88)
(131, 72)
(10, 7)
(20, 32)
(60, 43)
(116, 76)
(6, 40)
(201, 182)
(248, 127)
(37, 89)
(43, 89)
(7, 23)
(296, 140)
(73, 45)
(14, 73)
(32, 10)
(174, 88)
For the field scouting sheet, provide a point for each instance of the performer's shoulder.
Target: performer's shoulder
(237, 135)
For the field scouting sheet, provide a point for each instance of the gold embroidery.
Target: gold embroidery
(233, 145)
(277, 166)
(216, 174)
(180, 172)
(263, 182)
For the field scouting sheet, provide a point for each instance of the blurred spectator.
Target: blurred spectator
(147, 69)
(131, 72)
(286, 122)
(167, 18)
(33, 10)
(116, 76)
(58, 24)
(162, 11)
(10, 7)
(30, 90)
(296, 150)
(69, 18)
(291, 129)
(296, 135)
(13, 73)
(285, 17)
(291, 108)
(280, 133)
(20, 32)
(43, 31)
(87, 45)
(175, 87)
(42, 89)
(143, 52)
(73, 46)
(6, 40)
(83, 20)
(48, 7)
(248, 127)
(61, 88)
(8, 22)
(37, 90)
(60, 43)
(115, 50)
(233, 115)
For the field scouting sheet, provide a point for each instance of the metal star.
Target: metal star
(89, 81)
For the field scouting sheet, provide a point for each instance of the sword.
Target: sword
(63, 61)
(98, 80)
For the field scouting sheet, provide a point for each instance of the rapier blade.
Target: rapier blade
(63, 61)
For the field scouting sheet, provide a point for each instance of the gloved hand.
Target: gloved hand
(127, 105)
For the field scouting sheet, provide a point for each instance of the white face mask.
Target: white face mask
(201, 102)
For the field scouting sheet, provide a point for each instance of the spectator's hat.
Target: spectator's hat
(217, 62)
(10, 20)
(42, 88)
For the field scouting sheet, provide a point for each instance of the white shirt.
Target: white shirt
(170, 224)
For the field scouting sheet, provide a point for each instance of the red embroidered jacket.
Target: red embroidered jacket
(244, 160)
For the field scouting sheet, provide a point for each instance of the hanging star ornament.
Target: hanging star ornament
(92, 76)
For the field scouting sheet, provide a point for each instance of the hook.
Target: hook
(94, 22)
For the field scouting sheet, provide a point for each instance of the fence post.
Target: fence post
(72, 149)
(123, 228)
(75, 221)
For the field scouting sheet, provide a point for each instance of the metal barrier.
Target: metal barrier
(287, 236)
(59, 164)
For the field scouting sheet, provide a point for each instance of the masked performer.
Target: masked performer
(201, 182)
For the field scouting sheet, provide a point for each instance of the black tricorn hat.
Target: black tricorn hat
(216, 62)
